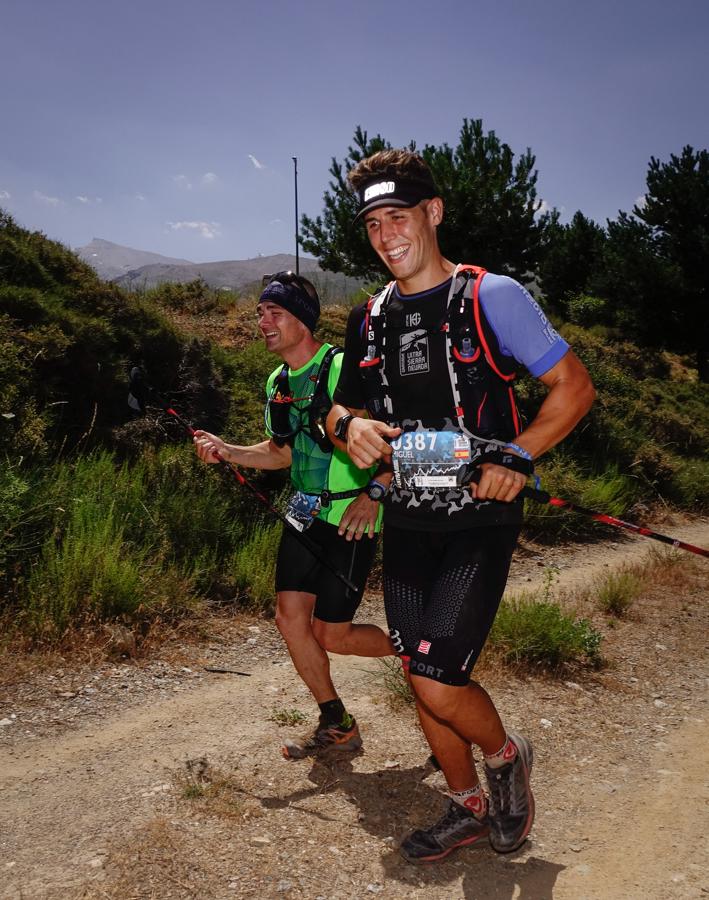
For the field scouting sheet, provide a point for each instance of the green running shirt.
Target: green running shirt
(312, 469)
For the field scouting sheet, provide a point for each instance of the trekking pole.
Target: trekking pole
(545, 497)
(139, 388)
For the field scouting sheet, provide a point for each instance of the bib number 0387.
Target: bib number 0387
(415, 440)
(429, 459)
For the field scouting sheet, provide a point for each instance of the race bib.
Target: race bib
(430, 459)
(302, 510)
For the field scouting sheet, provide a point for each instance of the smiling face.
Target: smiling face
(405, 240)
(281, 330)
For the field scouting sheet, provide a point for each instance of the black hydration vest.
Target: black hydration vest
(481, 376)
(278, 407)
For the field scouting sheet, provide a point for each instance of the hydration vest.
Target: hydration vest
(280, 402)
(481, 376)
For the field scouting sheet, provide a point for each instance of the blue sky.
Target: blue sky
(170, 126)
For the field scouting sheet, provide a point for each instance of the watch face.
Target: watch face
(376, 491)
(341, 427)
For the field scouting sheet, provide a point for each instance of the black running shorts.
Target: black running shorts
(441, 594)
(298, 570)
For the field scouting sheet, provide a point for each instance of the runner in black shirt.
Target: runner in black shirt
(426, 390)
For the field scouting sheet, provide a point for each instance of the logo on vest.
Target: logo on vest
(414, 352)
(378, 190)
(413, 319)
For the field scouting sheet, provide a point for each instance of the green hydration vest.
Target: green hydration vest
(298, 402)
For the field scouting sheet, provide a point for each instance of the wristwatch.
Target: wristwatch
(375, 490)
(341, 426)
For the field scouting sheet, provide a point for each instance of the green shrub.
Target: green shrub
(99, 562)
(94, 539)
(586, 310)
(538, 632)
(287, 717)
(390, 675)
(608, 492)
(616, 592)
(253, 564)
(195, 297)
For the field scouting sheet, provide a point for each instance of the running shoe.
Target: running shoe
(458, 827)
(511, 800)
(343, 737)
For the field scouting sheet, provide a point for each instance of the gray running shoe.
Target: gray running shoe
(325, 737)
(456, 828)
(511, 800)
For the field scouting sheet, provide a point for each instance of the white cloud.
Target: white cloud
(257, 164)
(182, 181)
(641, 201)
(86, 200)
(83, 199)
(4, 195)
(543, 208)
(139, 197)
(209, 178)
(275, 221)
(43, 198)
(207, 230)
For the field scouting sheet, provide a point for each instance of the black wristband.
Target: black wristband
(507, 460)
(341, 426)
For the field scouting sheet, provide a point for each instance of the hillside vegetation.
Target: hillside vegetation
(108, 517)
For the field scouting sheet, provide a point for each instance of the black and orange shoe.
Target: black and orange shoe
(342, 737)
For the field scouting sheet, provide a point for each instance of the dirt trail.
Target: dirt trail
(108, 810)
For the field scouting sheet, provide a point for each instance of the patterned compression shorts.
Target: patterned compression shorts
(441, 595)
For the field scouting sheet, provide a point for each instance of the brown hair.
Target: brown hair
(403, 163)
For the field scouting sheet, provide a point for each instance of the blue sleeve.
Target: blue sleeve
(521, 328)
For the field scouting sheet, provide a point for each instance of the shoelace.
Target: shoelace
(501, 796)
(449, 818)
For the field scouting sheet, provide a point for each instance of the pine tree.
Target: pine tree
(490, 207)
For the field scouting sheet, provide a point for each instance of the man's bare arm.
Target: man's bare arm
(265, 455)
(571, 395)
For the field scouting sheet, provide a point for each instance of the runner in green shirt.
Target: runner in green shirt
(314, 609)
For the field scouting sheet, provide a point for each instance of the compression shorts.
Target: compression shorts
(441, 595)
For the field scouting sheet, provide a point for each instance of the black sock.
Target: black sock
(333, 711)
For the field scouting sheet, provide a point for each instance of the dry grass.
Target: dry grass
(389, 676)
(615, 593)
(157, 861)
(211, 791)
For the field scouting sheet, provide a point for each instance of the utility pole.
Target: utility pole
(295, 180)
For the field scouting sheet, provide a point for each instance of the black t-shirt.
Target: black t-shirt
(419, 385)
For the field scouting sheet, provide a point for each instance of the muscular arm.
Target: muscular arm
(571, 394)
(367, 439)
(266, 455)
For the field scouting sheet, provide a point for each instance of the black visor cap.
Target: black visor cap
(389, 190)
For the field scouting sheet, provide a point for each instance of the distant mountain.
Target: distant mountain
(231, 274)
(238, 274)
(113, 260)
(138, 269)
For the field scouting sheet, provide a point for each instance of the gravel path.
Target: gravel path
(97, 798)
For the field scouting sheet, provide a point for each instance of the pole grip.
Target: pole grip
(539, 496)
